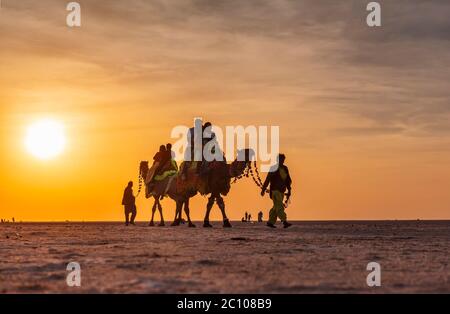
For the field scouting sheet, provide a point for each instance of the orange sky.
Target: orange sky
(363, 113)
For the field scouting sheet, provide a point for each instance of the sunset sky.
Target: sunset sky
(364, 113)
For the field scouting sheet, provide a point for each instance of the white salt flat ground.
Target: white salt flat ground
(310, 257)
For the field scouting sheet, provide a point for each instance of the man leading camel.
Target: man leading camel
(128, 201)
(279, 181)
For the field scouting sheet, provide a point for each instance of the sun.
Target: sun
(45, 139)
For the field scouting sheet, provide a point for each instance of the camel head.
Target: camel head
(242, 161)
(143, 169)
(247, 154)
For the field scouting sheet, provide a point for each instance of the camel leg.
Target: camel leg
(176, 222)
(161, 224)
(153, 213)
(210, 204)
(221, 204)
(180, 216)
(186, 210)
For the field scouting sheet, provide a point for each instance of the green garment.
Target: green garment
(283, 174)
(167, 173)
(277, 210)
(174, 164)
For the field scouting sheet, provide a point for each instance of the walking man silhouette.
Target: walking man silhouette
(279, 181)
(128, 201)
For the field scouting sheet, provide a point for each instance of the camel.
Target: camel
(167, 187)
(217, 183)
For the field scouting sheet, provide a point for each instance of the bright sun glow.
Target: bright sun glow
(45, 139)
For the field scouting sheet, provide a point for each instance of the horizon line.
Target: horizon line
(198, 221)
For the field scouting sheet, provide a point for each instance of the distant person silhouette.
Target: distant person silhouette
(128, 201)
(260, 216)
(279, 181)
(13, 220)
(249, 217)
(246, 216)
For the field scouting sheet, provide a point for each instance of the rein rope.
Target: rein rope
(140, 183)
(246, 172)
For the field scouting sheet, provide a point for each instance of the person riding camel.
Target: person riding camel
(170, 151)
(193, 152)
(170, 155)
(208, 137)
(164, 165)
(279, 180)
(159, 160)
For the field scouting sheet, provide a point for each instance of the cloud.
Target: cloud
(367, 131)
(226, 55)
